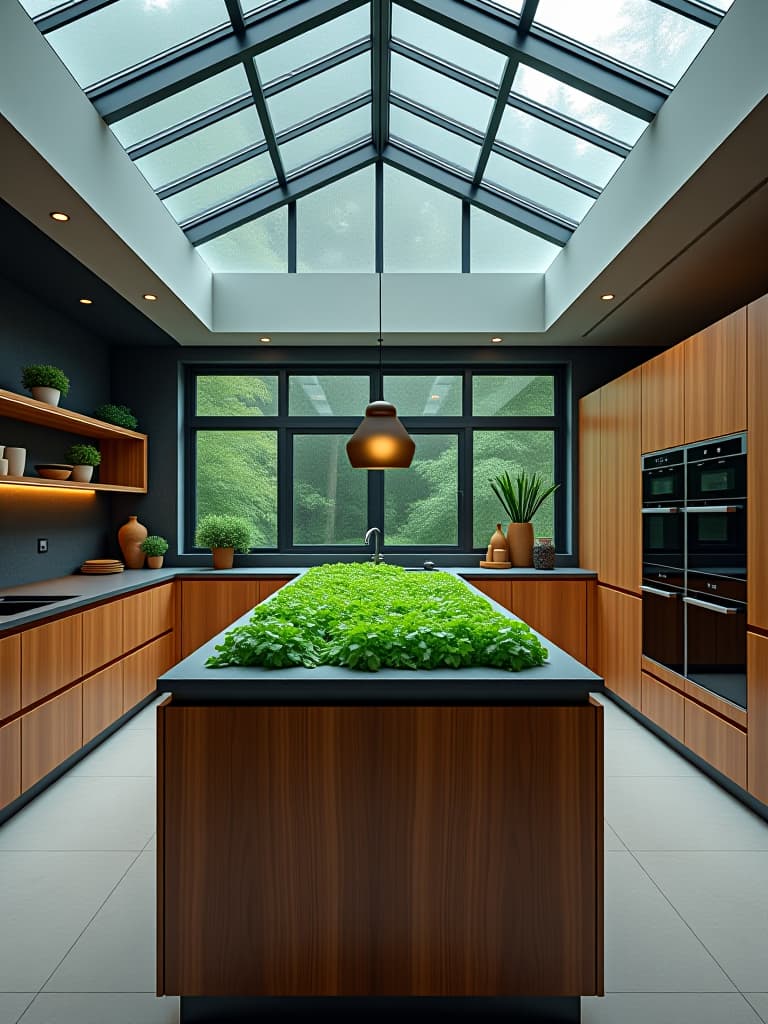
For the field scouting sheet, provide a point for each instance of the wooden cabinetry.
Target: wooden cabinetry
(142, 668)
(620, 483)
(10, 762)
(102, 635)
(10, 676)
(721, 744)
(716, 379)
(663, 388)
(757, 716)
(499, 591)
(757, 463)
(664, 706)
(49, 734)
(557, 609)
(590, 429)
(102, 700)
(619, 644)
(51, 657)
(208, 606)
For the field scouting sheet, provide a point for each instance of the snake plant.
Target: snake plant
(521, 496)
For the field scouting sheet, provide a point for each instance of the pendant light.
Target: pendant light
(381, 441)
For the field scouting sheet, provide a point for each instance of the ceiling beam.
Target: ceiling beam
(499, 106)
(381, 32)
(266, 119)
(701, 13)
(527, 14)
(66, 15)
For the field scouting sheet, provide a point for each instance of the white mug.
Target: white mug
(17, 458)
(3, 466)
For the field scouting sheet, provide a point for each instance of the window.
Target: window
(271, 446)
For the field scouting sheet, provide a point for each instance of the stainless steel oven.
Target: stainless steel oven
(663, 617)
(716, 632)
(716, 509)
(663, 509)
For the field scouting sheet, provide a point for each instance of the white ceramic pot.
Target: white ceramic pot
(49, 395)
(2, 450)
(3, 466)
(82, 474)
(17, 458)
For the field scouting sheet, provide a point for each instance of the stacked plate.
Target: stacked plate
(101, 566)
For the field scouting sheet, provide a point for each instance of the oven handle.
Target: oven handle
(713, 508)
(657, 592)
(719, 608)
(659, 511)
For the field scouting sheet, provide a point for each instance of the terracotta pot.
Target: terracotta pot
(155, 561)
(82, 474)
(520, 540)
(129, 536)
(223, 558)
(49, 395)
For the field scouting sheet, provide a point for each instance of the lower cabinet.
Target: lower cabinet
(619, 643)
(141, 669)
(10, 676)
(757, 716)
(499, 591)
(102, 700)
(208, 606)
(49, 734)
(721, 744)
(664, 706)
(10, 762)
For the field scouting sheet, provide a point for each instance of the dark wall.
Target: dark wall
(77, 525)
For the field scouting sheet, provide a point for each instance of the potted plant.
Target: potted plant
(120, 415)
(224, 535)
(521, 498)
(154, 548)
(84, 457)
(47, 383)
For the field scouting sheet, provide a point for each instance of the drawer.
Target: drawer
(51, 657)
(720, 744)
(102, 636)
(102, 700)
(49, 734)
(141, 669)
(163, 605)
(664, 706)
(10, 676)
(10, 762)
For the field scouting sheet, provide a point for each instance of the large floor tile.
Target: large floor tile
(130, 752)
(94, 1008)
(637, 752)
(668, 1008)
(13, 1004)
(724, 898)
(46, 900)
(760, 1002)
(648, 948)
(85, 814)
(680, 814)
(613, 716)
(116, 953)
(146, 718)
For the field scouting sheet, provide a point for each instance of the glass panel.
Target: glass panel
(422, 506)
(424, 396)
(179, 108)
(440, 93)
(236, 395)
(327, 395)
(244, 178)
(422, 227)
(579, 106)
(330, 499)
(513, 395)
(639, 33)
(202, 148)
(335, 227)
(237, 475)
(511, 451)
(128, 32)
(557, 147)
(454, 149)
(315, 44)
(496, 246)
(537, 188)
(318, 94)
(446, 45)
(328, 138)
(259, 245)
(35, 8)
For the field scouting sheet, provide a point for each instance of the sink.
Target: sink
(16, 605)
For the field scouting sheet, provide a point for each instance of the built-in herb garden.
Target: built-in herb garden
(369, 617)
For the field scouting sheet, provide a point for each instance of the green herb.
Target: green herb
(521, 496)
(83, 455)
(369, 617)
(214, 531)
(154, 545)
(41, 375)
(120, 415)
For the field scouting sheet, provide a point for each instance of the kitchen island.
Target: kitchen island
(327, 836)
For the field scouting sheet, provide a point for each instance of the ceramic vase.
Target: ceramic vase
(3, 467)
(17, 458)
(129, 536)
(82, 474)
(544, 553)
(498, 543)
(223, 558)
(49, 395)
(520, 541)
(154, 561)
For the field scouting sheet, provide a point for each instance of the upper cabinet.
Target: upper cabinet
(757, 463)
(590, 410)
(716, 379)
(620, 485)
(664, 400)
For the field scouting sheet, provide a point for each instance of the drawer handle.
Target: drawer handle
(657, 592)
(719, 608)
(660, 511)
(713, 508)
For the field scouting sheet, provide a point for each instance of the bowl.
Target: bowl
(54, 471)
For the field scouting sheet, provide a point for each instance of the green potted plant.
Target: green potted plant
(521, 497)
(154, 548)
(84, 457)
(224, 535)
(120, 415)
(47, 383)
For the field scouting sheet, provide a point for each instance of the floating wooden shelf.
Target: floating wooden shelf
(123, 452)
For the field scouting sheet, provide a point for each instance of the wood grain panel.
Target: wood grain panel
(49, 734)
(124, 462)
(498, 590)
(757, 462)
(162, 601)
(664, 706)
(270, 586)
(590, 540)
(102, 635)
(51, 657)
(721, 744)
(716, 379)
(620, 643)
(10, 762)
(142, 668)
(325, 851)
(621, 483)
(138, 619)
(663, 419)
(556, 608)
(208, 606)
(102, 700)
(666, 675)
(10, 675)
(757, 716)
(592, 625)
(721, 707)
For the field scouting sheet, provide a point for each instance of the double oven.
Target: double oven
(695, 564)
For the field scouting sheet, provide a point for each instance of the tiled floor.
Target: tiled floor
(685, 893)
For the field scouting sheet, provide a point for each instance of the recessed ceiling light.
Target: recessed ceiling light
(496, 341)
(607, 296)
(434, 397)
(265, 340)
(86, 302)
(62, 217)
(149, 297)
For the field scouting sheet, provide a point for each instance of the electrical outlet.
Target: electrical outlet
(42, 545)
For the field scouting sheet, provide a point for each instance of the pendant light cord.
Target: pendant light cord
(381, 350)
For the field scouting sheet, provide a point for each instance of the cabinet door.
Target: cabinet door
(269, 587)
(664, 706)
(757, 716)
(49, 734)
(716, 379)
(102, 700)
(757, 462)
(208, 606)
(663, 386)
(163, 604)
(138, 619)
(619, 643)
(102, 635)
(621, 483)
(51, 657)
(498, 590)
(142, 668)
(10, 762)
(557, 609)
(720, 744)
(590, 544)
(10, 676)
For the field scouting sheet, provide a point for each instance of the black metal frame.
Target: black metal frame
(287, 427)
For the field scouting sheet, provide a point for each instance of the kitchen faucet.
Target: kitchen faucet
(376, 557)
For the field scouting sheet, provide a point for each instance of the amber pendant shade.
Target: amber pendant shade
(381, 441)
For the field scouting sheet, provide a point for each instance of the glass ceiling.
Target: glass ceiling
(305, 136)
